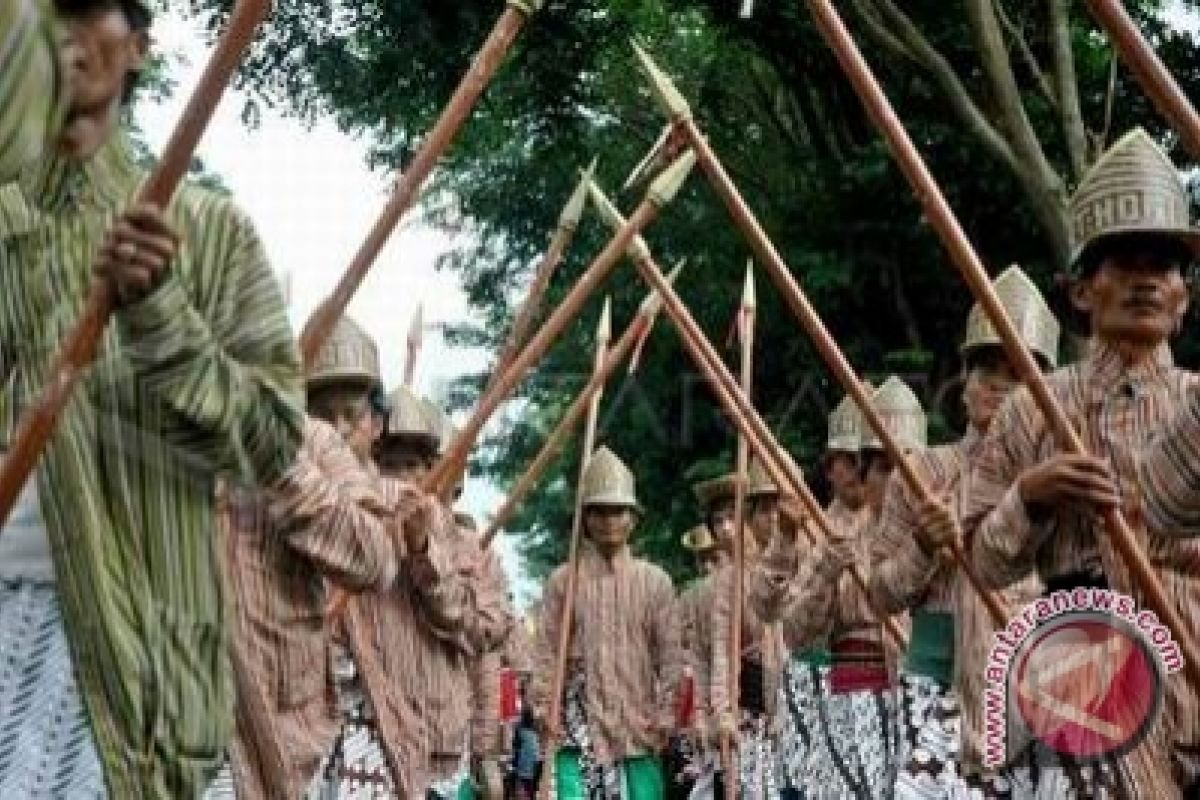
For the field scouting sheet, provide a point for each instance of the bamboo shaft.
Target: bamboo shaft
(408, 185)
(938, 212)
(81, 344)
(1149, 70)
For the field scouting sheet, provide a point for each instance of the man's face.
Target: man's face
(988, 384)
(609, 526)
(721, 521)
(400, 460)
(841, 470)
(762, 516)
(100, 52)
(1138, 297)
(347, 408)
(875, 479)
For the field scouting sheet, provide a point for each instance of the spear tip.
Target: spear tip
(572, 212)
(749, 295)
(638, 249)
(670, 99)
(668, 184)
(653, 302)
(604, 329)
(527, 7)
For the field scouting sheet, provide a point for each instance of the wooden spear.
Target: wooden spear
(745, 327)
(564, 233)
(80, 345)
(677, 107)
(1149, 70)
(567, 619)
(661, 192)
(408, 185)
(777, 461)
(939, 214)
(619, 352)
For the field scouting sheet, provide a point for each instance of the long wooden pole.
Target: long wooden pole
(1149, 70)
(939, 214)
(745, 325)
(804, 312)
(567, 619)
(661, 192)
(777, 461)
(408, 185)
(560, 241)
(617, 355)
(81, 344)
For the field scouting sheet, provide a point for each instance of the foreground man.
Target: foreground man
(324, 520)
(1032, 510)
(625, 658)
(198, 375)
(820, 598)
(33, 95)
(942, 695)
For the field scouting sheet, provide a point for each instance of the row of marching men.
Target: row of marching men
(863, 657)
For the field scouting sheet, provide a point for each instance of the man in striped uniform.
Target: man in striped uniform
(695, 618)
(908, 574)
(1033, 510)
(418, 639)
(624, 658)
(324, 520)
(760, 654)
(817, 597)
(198, 375)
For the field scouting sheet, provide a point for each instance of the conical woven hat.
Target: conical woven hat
(759, 483)
(715, 490)
(440, 423)
(349, 354)
(699, 539)
(409, 419)
(607, 481)
(1027, 309)
(1133, 188)
(846, 425)
(902, 416)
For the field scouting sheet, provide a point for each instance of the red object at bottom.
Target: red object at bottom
(858, 666)
(510, 709)
(685, 710)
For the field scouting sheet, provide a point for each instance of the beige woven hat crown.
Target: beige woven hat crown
(715, 490)
(607, 481)
(759, 483)
(439, 423)
(408, 418)
(1029, 312)
(902, 416)
(846, 425)
(1132, 188)
(699, 539)
(349, 354)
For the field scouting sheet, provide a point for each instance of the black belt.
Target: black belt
(1081, 579)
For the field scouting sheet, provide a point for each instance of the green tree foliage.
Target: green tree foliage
(774, 104)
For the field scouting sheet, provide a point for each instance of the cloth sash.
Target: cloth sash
(859, 665)
(931, 646)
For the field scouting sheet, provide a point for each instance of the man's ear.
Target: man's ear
(1080, 293)
(376, 428)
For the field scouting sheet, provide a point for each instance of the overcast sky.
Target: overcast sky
(313, 199)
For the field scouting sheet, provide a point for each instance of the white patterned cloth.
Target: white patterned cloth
(756, 760)
(46, 747)
(860, 738)
(802, 761)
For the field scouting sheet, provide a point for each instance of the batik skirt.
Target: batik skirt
(860, 733)
(46, 746)
(802, 761)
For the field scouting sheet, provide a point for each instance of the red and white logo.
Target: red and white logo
(1086, 685)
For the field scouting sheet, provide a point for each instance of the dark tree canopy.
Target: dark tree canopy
(775, 106)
